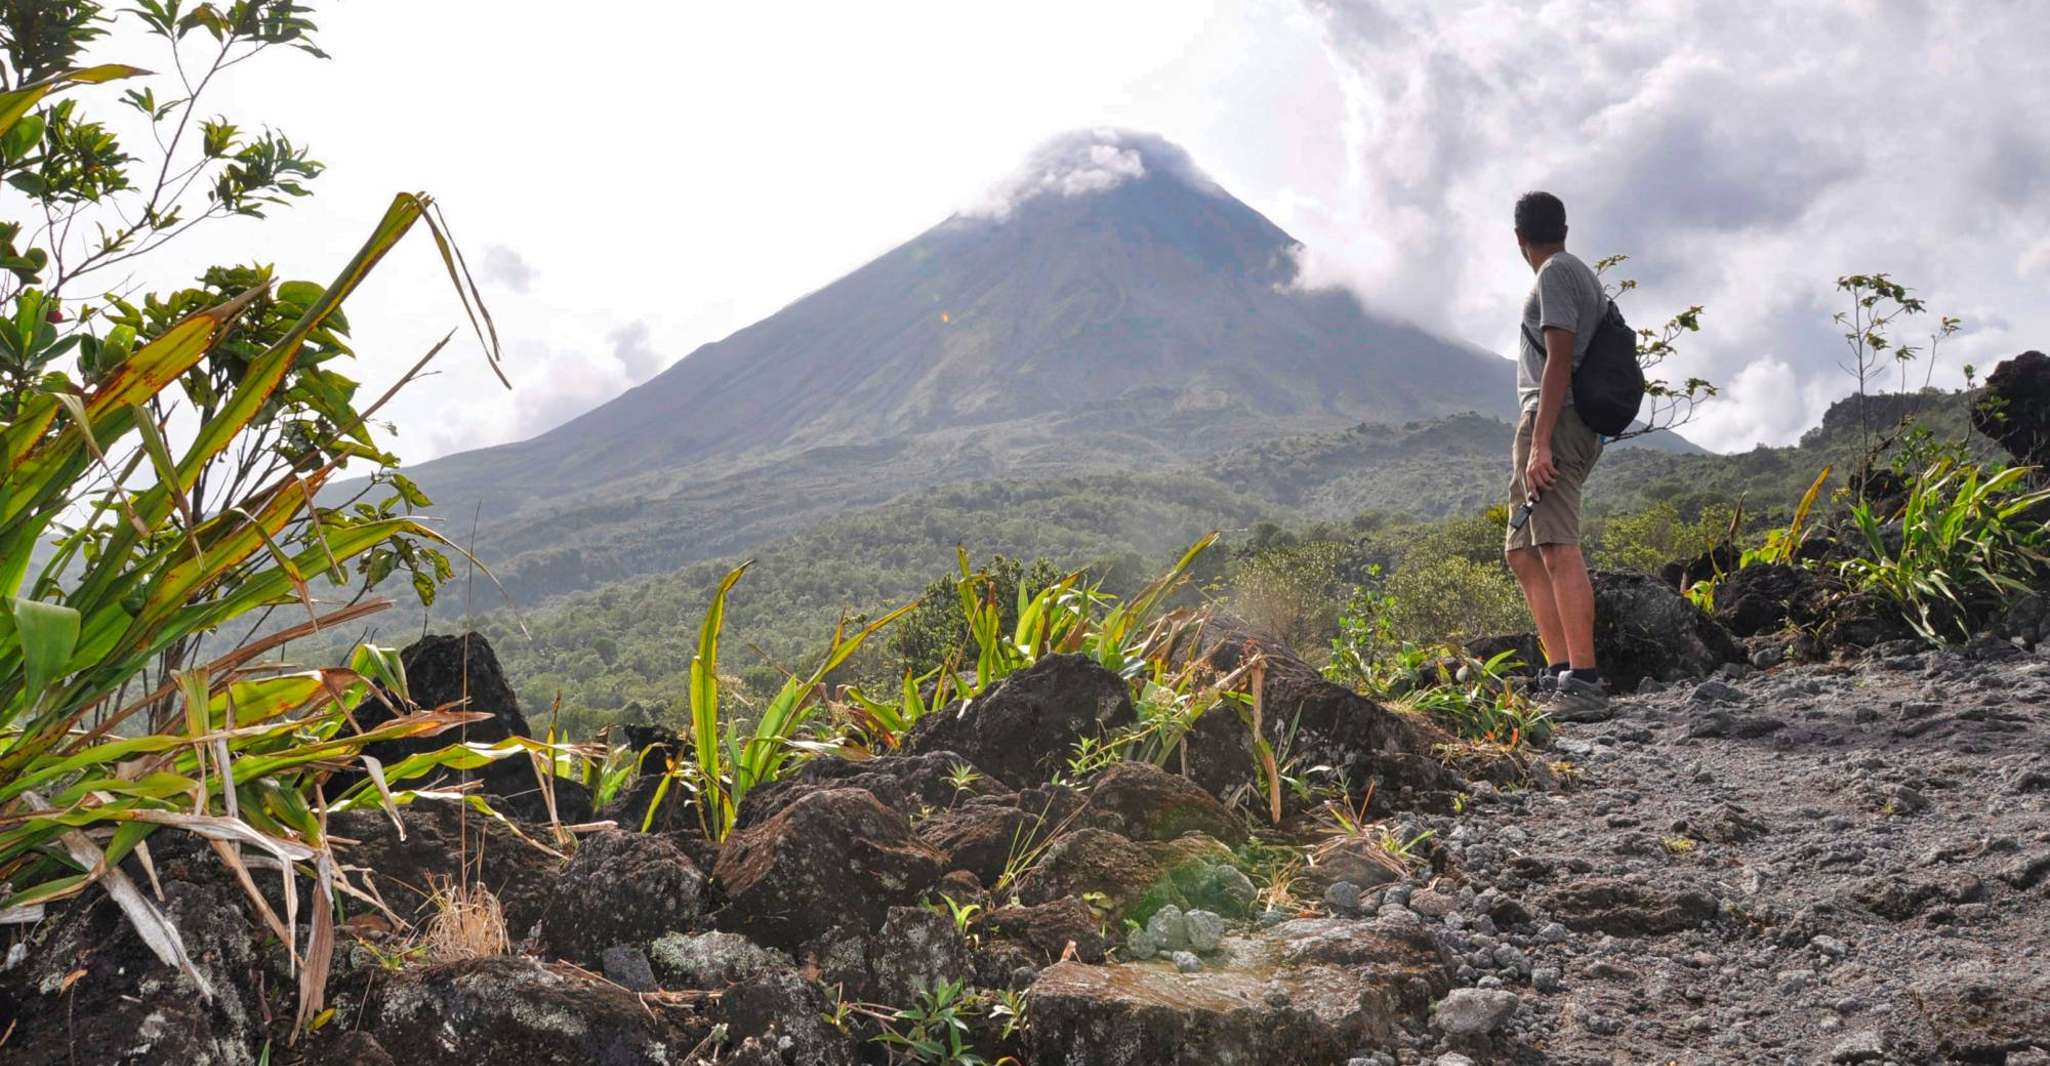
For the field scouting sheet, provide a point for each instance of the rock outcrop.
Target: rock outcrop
(1024, 728)
(1644, 629)
(2015, 408)
(1305, 993)
(463, 673)
(1316, 723)
(833, 862)
(621, 888)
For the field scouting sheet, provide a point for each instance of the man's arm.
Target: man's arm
(1552, 391)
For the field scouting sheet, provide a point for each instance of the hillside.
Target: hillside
(1099, 316)
(630, 641)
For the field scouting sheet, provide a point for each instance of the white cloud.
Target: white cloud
(1745, 154)
(550, 387)
(1083, 162)
(506, 267)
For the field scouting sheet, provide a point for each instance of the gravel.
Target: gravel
(1788, 866)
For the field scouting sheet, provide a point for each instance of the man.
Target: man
(1553, 453)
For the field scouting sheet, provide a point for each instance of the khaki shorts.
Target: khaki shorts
(1556, 519)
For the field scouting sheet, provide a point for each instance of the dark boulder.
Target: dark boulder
(2015, 408)
(621, 888)
(1766, 597)
(985, 839)
(462, 673)
(1024, 728)
(1864, 620)
(779, 1019)
(1047, 930)
(916, 948)
(907, 784)
(1084, 862)
(2027, 619)
(1528, 651)
(1313, 722)
(832, 861)
(90, 990)
(1642, 628)
(1144, 802)
(511, 1011)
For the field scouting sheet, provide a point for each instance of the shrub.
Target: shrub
(168, 450)
(1966, 540)
(1648, 539)
(1469, 697)
(1454, 599)
(1292, 591)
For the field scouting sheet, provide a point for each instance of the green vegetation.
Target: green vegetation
(725, 761)
(163, 453)
(723, 766)
(1374, 495)
(1470, 698)
(1963, 540)
(934, 1028)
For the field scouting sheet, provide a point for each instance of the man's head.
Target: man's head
(1540, 223)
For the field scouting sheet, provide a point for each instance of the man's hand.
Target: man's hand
(1539, 473)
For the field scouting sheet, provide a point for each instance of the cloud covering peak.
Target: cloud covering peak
(1081, 162)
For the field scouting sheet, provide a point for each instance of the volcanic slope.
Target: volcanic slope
(1110, 308)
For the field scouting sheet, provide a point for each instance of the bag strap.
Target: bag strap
(1539, 344)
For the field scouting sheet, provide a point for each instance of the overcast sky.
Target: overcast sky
(633, 179)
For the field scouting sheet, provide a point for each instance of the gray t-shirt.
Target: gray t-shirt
(1566, 295)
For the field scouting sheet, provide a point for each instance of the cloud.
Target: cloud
(551, 386)
(1744, 154)
(1086, 161)
(637, 359)
(504, 266)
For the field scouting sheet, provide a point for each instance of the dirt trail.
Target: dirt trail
(1809, 865)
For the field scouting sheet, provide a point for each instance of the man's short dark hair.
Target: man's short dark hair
(1541, 218)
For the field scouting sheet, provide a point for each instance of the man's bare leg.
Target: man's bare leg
(1573, 599)
(1538, 594)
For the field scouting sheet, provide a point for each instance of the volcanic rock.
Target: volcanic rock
(832, 860)
(1645, 629)
(1088, 861)
(447, 843)
(1325, 724)
(2015, 408)
(1049, 928)
(462, 673)
(621, 888)
(1144, 802)
(511, 1011)
(1622, 908)
(1304, 993)
(1022, 729)
(904, 783)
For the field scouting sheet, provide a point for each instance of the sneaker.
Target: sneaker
(1574, 700)
(1546, 683)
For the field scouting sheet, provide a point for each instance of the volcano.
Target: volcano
(1109, 307)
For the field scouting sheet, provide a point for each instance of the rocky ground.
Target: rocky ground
(1834, 863)
(1805, 865)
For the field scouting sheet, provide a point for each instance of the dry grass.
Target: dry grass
(467, 923)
